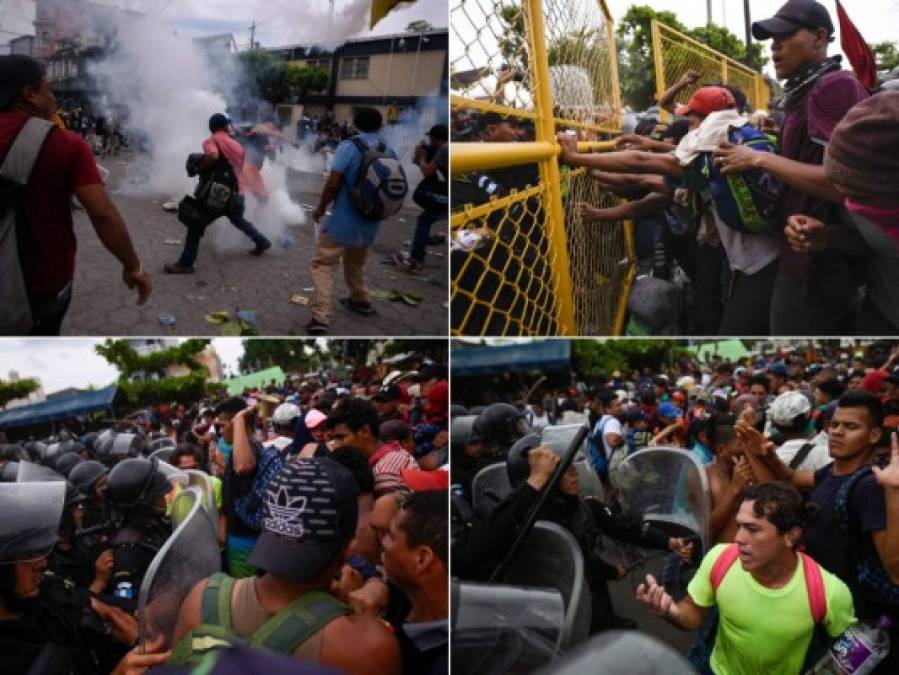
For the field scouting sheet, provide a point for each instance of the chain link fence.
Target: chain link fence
(675, 53)
(523, 260)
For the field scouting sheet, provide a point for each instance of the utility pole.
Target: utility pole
(748, 21)
(708, 12)
(253, 35)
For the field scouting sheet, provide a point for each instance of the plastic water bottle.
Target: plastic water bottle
(857, 651)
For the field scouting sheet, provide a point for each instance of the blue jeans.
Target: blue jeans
(422, 232)
(235, 215)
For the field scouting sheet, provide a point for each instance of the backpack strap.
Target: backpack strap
(26, 148)
(215, 609)
(299, 621)
(800, 456)
(723, 564)
(814, 586)
(360, 145)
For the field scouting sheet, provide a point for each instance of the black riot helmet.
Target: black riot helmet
(31, 515)
(136, 484)
(86, 475)
(67, 462)
(88, 440)
(500, 424)
(457, 410)
(103, 446)
(517, 461)
(461, 431)
(13, 453)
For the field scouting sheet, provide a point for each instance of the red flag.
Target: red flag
(857, 50)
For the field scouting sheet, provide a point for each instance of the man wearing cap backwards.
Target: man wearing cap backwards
(221, 145)
(65, 167)
(308, 528)
(817, 96)
(790, 414)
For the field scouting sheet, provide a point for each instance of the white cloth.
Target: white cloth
(708, 135)
(609, 425)
(818, 457)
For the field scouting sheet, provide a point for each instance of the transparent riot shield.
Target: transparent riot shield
(31, 514)
(489, 487)
(503, 629)
(203, 481)
(29, 472)
(558, 438)
(667, 487)
(190, 554)
(628, 652)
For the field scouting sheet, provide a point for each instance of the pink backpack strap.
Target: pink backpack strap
(723, 564)
(814, 585)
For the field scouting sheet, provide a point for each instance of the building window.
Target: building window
(354, 68)
(45, 39)
(322, 64)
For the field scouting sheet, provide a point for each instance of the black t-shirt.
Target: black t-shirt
(234, 488)
(827, 541)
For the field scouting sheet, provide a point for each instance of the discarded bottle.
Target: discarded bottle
(857, 651)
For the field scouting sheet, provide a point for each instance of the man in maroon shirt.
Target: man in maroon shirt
(64, 168)
(814, 291)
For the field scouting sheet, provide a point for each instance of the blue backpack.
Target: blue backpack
(747, 202)
(596, 451)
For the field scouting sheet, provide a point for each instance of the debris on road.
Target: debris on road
(167, 319)
(299, 300)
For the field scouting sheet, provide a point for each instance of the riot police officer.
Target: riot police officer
(43, 629)
(136, 490)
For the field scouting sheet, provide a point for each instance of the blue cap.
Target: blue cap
(778, 369)
(669, 410)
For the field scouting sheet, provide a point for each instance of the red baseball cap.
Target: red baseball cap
(422, 481)
(707, 100)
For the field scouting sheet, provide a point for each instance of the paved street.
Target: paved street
(228, 278)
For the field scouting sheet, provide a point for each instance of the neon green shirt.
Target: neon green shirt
(765, 630)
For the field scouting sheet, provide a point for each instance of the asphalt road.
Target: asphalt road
(228, 278)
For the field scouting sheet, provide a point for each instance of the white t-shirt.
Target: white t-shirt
(818, 457)
(539, 422)
(609, 425)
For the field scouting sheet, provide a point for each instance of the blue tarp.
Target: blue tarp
(540, 355)
(57, 409)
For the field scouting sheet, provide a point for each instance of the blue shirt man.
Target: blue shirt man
(346, 235)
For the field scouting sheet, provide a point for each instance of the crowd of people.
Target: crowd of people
(366, 184)
(800, 453)
(746, 222)
(329, 515)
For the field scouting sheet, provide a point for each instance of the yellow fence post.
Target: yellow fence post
(661, 86)
(549, 168)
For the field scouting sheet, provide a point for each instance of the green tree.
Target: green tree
(298, 81)
(142, 392)
(10, 391)
(513, 44)
(296, 355)
(593, 358)
(636, 67)
(432, 349)
(637, 71)
(887, 55)
(266, 72)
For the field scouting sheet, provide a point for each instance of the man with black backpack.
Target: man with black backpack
(42, 168)
(219, 193)
(367, 184)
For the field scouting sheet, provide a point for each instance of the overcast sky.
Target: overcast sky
(72, 362)
(279, 22)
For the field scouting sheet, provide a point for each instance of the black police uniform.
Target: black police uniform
(133, 549)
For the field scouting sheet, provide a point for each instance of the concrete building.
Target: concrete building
(217, 46)
(389, 72)
(208, 358)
